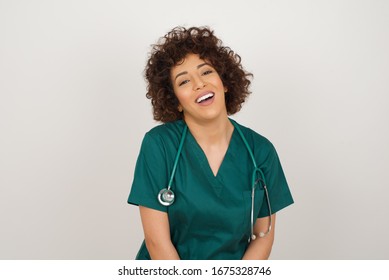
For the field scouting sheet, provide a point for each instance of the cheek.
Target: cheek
(183, 91)
(181, 95)
(216, 79)
(219, 83)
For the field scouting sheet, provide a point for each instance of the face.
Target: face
(199, 90)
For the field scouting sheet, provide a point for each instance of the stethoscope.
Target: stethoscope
(166, 196)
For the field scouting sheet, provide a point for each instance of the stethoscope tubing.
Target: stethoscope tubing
(253, 184)
(185, 131)
(166, 196)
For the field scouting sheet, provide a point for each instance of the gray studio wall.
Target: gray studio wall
(73, 113)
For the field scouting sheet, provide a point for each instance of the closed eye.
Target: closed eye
(183, 82)
(207, 72)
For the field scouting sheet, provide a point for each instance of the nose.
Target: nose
(198, 83)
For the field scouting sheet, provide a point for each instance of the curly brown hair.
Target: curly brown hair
(172, 49)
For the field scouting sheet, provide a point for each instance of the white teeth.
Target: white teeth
(202, 98)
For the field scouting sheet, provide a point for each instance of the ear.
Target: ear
(225, 89)
(179, 108)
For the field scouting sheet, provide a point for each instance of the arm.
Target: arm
(157, 234)
(260, 248)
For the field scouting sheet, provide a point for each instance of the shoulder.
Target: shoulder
(164, 136)
(262, 148)
(170, 129)
(255, 139)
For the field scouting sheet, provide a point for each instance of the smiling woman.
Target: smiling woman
(195, 75)
(172, 49)
(224, 182)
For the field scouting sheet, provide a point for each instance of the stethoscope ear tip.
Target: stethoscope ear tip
(261, 235)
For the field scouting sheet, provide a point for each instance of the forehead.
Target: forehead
(190, 61)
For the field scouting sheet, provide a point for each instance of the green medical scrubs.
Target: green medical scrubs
(210, 218)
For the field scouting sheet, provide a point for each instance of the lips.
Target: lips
(204, 97)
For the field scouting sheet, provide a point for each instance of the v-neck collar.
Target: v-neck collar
(216, 181)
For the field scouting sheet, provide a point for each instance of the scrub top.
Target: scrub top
(210, 217)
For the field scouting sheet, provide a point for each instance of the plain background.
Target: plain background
(73, 113)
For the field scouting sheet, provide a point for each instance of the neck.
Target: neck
(212, 133)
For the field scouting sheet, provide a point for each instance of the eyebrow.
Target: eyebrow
(186, 72)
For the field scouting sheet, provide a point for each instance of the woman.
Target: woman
(207, 187)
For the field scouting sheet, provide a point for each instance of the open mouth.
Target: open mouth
(205, 97)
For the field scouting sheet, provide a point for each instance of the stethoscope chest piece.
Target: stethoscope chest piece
(166, 197)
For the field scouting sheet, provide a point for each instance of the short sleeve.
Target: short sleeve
(278, 189)
(150, 174)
